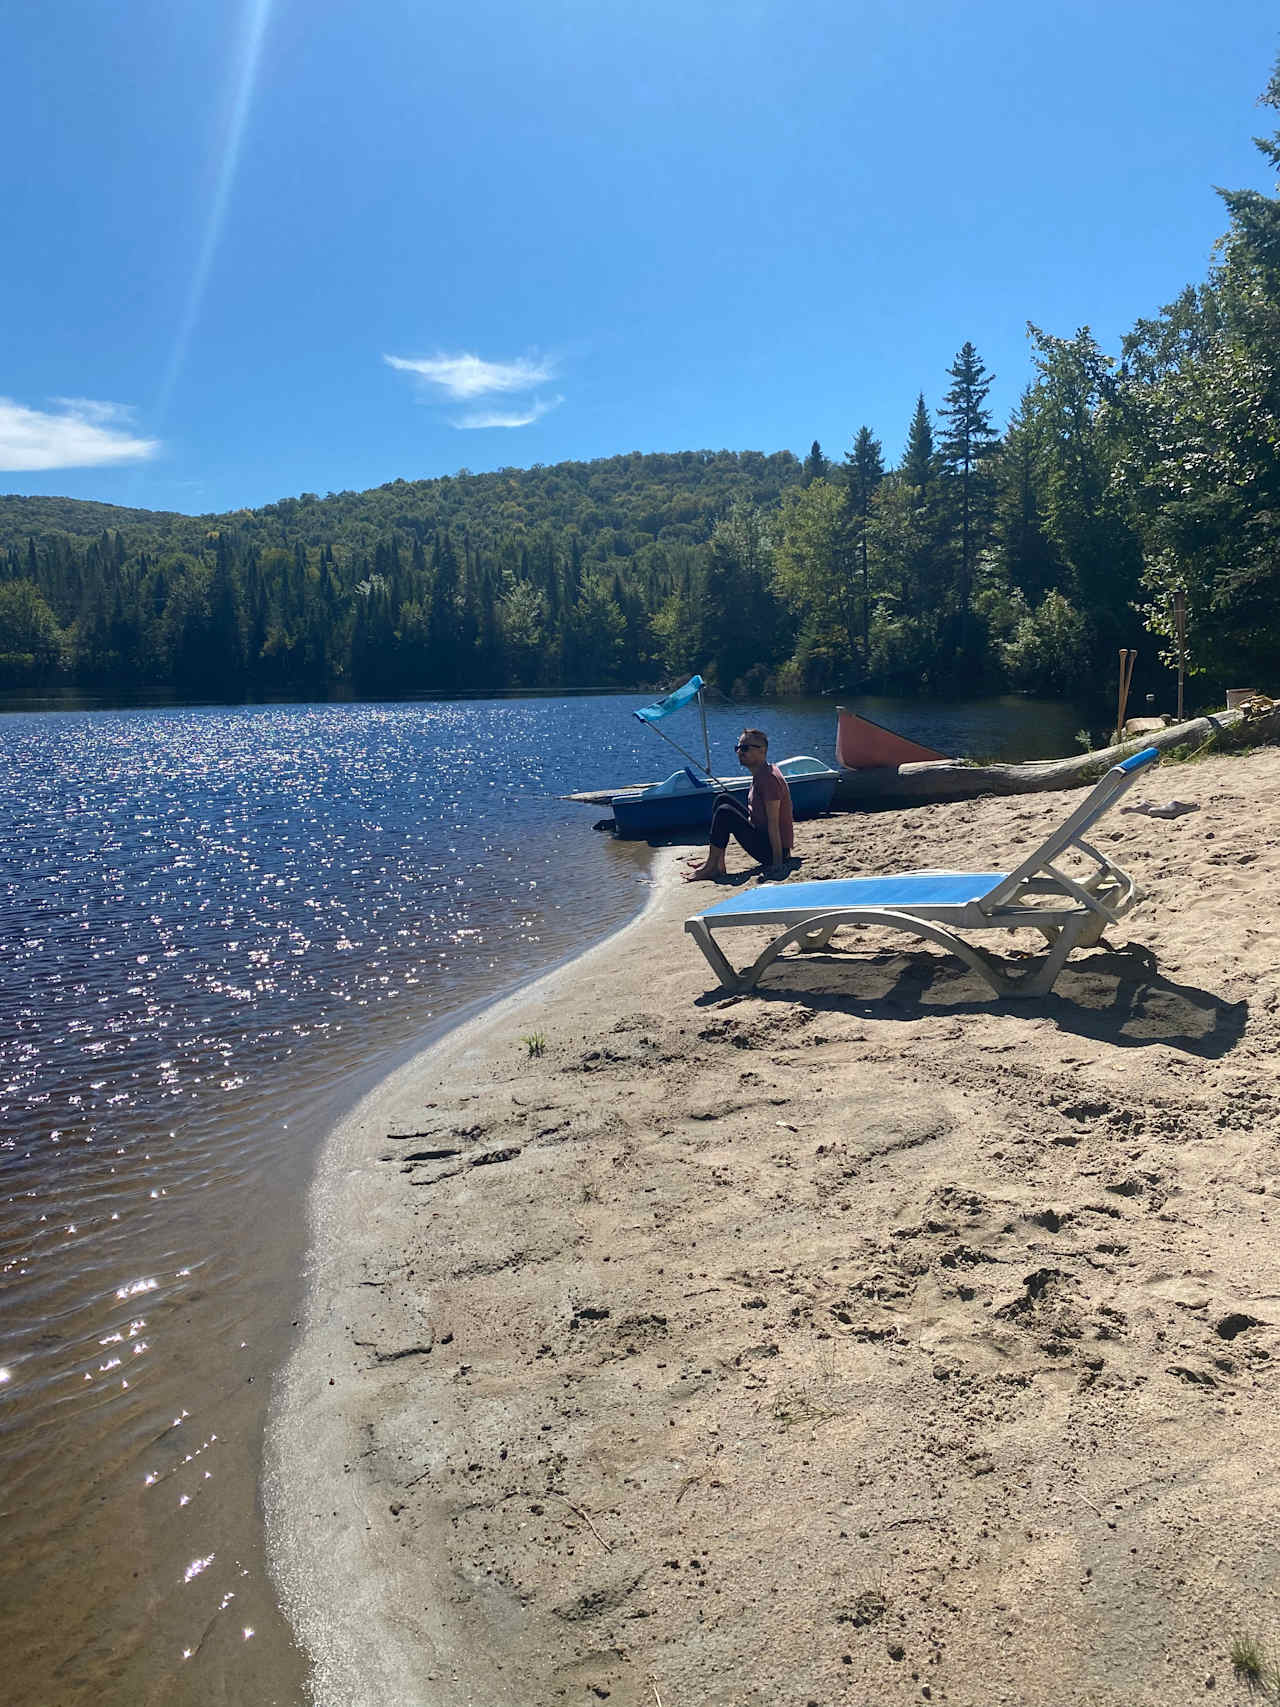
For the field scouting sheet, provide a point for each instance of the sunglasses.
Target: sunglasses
(742, 746)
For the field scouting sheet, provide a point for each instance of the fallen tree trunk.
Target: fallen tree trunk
(954, 779)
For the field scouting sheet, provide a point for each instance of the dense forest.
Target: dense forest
(984, 559)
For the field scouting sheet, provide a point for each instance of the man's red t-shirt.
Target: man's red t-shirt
(768, 783)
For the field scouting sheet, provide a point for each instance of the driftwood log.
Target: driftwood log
(954, 779)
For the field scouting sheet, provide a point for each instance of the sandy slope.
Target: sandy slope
(859, 1340)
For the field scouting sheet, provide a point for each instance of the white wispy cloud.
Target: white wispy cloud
(80, 432)
(465, 376)
(533, 411)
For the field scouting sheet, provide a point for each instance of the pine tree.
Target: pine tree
(816, 466)
(1026, 557)
(1255, 218)
(967, 442)
(864, 470)
(443, 616)
(738, 617)
(919, 463)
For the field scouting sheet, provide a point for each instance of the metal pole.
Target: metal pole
(1180, 627)
(684, 753)
(706, 744)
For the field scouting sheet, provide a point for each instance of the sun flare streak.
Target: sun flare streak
(254, 19)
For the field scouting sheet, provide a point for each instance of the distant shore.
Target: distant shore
(862, 1337)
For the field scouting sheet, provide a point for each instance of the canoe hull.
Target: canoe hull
(864, 745)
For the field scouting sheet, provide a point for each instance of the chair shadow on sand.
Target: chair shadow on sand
(1115, 995)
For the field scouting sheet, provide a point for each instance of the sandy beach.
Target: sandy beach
(860, 1339)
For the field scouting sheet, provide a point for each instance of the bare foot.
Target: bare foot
(703, 874)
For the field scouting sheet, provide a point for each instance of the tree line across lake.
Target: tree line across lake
(982, 560)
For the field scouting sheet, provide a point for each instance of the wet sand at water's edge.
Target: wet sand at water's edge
(861, 1338)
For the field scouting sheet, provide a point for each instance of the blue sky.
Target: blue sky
(260, 247)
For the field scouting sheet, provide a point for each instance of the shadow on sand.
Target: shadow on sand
(1117, 996)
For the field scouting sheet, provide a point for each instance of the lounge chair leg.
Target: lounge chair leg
(815, 940)
(1041, 980)
(1038, 982)
(825, 928)
(715, 958)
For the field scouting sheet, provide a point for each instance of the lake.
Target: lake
(218, 927)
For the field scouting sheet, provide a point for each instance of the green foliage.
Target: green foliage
(1021, 545)
(30, 640)
(864, 470)
(1200, 407)
(816, 466)
(1048, 649)
(814, 580)
(738, 621)
(919, 464)
(966, 447)
(1074, 434)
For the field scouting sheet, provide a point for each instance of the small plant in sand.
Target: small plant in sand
(1186, 754)
(814, 1399)
(868, 1604)
(1252, 1664)
(534, 1042)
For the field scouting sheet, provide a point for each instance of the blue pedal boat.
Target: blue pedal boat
(685, 801)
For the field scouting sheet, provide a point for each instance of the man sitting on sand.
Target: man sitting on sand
(763, 826)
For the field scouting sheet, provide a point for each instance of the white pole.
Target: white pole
(706, 744)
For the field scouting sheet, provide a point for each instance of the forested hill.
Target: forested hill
(541, 577)
(22, 519)
(987, 556)
(613, 506)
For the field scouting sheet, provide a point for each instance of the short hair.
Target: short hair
(757, 735)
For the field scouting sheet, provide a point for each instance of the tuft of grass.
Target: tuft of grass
(869, 1600)
(535, 1043)
(814, 1400)
(1186, 754)
(1251, 1664)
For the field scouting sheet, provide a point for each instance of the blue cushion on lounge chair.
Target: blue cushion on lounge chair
(909, 888)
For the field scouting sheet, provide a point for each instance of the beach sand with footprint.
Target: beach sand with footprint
(860, 1339)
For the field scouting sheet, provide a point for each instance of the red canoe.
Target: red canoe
(863, 745)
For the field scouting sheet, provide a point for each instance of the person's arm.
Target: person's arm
(773, 811)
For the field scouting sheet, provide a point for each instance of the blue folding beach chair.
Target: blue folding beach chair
(1069, 912)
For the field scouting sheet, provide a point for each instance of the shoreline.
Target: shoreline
(859, 1334)
(311, 1572)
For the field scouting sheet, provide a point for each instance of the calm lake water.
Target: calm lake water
(217, 927)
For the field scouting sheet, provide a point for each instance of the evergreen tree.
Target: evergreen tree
(1071, 410)
(738, 630)
(1024, 552)
(1253, 243)
(864, 470)
(812, 576)
(919, 464)
(966, 443)
(816, 466)
(225, 634)
(444, 617)
(1199, 406)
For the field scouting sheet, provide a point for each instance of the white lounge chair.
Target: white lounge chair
(1070, 912)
